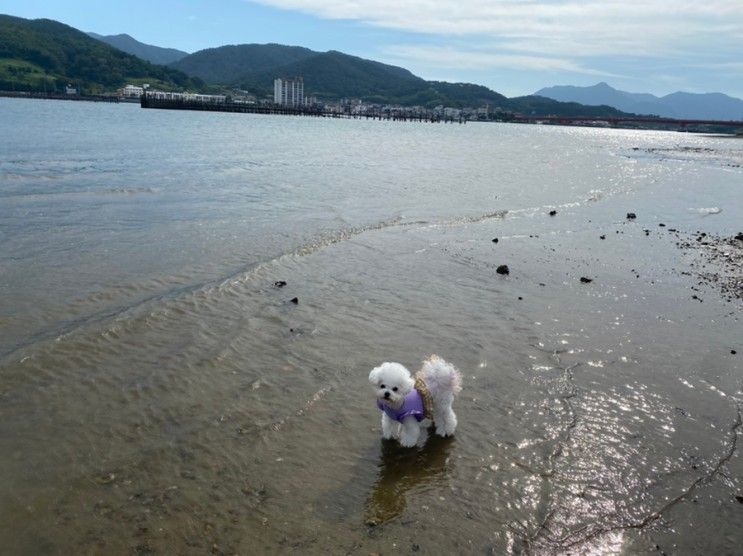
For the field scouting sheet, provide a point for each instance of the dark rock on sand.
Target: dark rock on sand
(503, 269)
(739, 498)
(295, 300)
(733, 352)
(585, 280)
(662, 225)
(739, 237)
(279, 283)
(631, 216)
(602, 237)
(495, 240)
(553, 212)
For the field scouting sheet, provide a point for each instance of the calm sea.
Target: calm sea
(159, 394)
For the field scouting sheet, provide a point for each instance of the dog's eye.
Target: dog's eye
(381, 385)
(394, 389)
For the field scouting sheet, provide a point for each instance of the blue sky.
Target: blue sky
(513, 46)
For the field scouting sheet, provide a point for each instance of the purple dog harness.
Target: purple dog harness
(412, 405)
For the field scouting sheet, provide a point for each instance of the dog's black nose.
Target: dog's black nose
(386, 395)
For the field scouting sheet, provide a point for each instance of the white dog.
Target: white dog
(409, 405)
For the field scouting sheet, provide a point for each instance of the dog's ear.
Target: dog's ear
(374, 375)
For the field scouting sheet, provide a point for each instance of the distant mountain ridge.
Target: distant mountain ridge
(149, 52)
(334, 75)
(45, 55)
(706, 106)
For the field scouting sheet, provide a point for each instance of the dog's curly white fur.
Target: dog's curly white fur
(392, 382)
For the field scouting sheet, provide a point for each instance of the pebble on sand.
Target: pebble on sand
(503, 269)
(495, 240)
(553, 212)
(631, 216)
(295, 300)
(585, 280)
(279, 283)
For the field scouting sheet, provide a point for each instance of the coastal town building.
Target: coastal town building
(188, 97)
(288, 92)
(130, 91)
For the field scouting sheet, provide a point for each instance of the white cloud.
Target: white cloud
(447, 57)
(567, 27)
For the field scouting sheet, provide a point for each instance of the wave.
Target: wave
(706, 211)
(172, 293)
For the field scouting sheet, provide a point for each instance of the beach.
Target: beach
(160, 393)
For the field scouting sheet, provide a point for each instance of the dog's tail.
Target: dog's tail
(441, 376)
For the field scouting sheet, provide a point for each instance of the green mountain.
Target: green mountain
(328, 75)
(226, 64)
(334, 75)
(45, 55)
(542, 106)
(149, 52)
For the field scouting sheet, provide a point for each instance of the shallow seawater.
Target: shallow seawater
(159, 394)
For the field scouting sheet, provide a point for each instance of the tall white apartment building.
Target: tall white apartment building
(288, 92)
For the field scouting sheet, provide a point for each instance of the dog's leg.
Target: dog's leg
(390, 428)
(450, 425)
(446, 422)
(410, 431)
(422, 437)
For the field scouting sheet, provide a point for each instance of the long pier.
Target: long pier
(59, 96)
(148, 101)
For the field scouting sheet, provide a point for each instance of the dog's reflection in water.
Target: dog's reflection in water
(403, 469)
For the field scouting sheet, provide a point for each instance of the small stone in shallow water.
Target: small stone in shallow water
(585, 280)
(733, 352)
(503, 269)
(495, 240)
(602, 237)
(106, 479)
(295, 300)
(553, 212)
(739, 498)
(631, 216)
(279, 283)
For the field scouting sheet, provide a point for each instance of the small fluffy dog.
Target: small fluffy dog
(409, 405)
